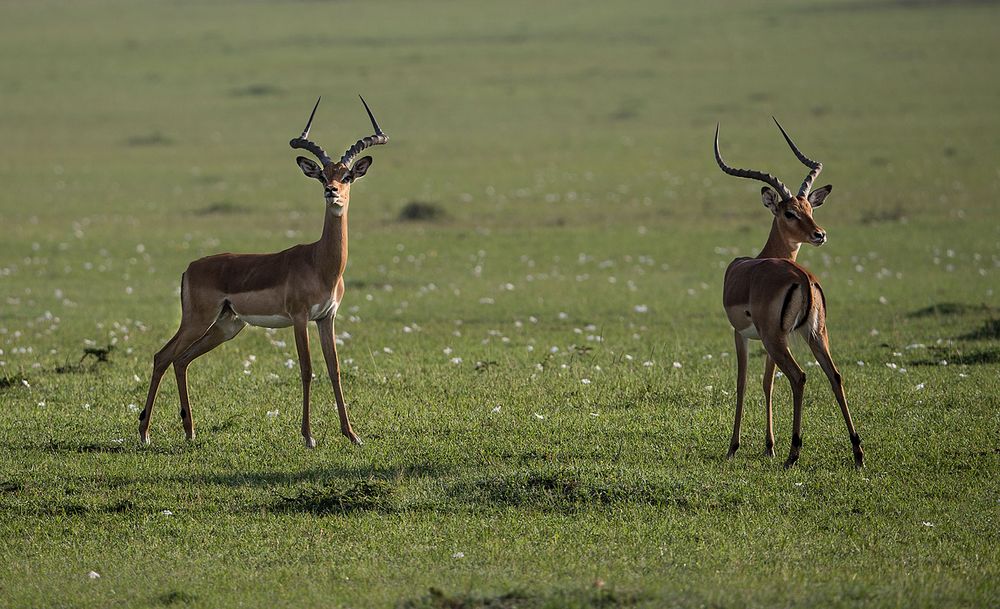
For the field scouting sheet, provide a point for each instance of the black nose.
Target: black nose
(819, 235)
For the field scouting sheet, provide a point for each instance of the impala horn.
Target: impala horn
(815, 166)
(754, 175)
(372, 140)
(303, 142)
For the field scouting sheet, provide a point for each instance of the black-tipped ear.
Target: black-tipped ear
(310, 168)
(819, 195)
(770, 198)
(360, 167)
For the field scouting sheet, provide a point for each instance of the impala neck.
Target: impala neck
(778, 246)
(332, 246)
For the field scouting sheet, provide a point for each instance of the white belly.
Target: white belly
(317, 311)
(267, 321)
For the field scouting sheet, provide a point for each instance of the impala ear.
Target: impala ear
(310, 168)
(819, 195)
(770, 198)
(360, 167)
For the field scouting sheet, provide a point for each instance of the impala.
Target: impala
(770, 296)
(221, 294)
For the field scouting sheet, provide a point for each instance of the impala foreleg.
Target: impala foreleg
(820, 345)
(741, 385)
(305, 371)
(328, 340)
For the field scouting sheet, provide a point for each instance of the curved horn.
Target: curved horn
(303, 142)
(372, 140)
(815, 166)
(749, 173)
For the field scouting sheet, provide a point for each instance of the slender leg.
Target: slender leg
(778, 350)
(305, 369)
(741, 385)
(327, 338)
(225, 328)
(768, 409)
(820, 346)
(192, 328)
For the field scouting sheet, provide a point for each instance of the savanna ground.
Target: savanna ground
(541, 370)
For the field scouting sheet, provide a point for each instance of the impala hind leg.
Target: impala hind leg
(820, 346)
(768, 408)
(192, 328)
(777, 349)
(741, 385)
(328, 340)
(225, 328)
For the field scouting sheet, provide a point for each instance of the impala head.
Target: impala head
(792, 213)
(336, 177)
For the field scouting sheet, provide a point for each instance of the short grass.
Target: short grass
(534, 345)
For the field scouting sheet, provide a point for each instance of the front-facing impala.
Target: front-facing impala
(770, 296)
(221, 294)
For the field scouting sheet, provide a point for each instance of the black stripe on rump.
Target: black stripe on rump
(788, 301)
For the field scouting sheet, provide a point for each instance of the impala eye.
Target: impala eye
(790, 215)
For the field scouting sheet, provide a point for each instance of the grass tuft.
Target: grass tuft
(366, 495)
(417, 211)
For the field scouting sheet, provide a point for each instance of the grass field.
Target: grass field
(543, 374)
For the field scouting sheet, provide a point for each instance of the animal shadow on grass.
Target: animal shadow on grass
(599, 596)
(175, 597)
(567, 492)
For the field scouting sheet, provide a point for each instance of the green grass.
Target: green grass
(581, 234)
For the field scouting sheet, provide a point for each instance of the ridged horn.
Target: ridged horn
(815, 166)
(302, 142)
(750, 173)
(372, 140)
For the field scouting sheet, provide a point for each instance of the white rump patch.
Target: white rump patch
(321, 310)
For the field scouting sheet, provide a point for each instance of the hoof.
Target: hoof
(859, 461)
(310, 442)
(731, 454)
(190, 436)
(350, 435)
(143, 439)
(791, 461)
(769, 452)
